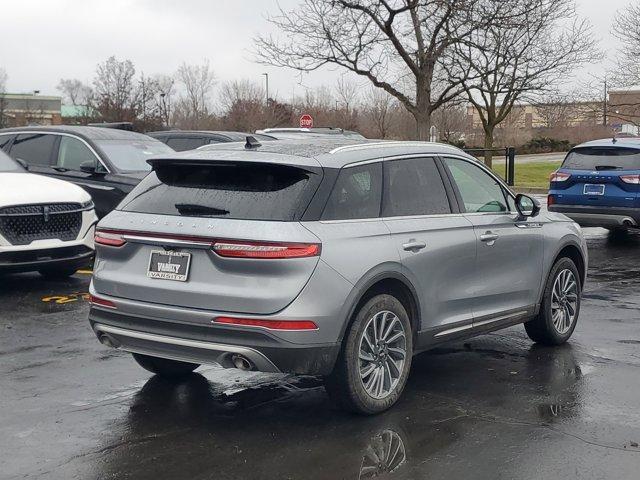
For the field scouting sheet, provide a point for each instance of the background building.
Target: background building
(18, 109)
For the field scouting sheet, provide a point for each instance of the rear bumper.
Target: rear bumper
(205, 344)
(589, 216)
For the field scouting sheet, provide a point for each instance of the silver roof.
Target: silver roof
(325, 152)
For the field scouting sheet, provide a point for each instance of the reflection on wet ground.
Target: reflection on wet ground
(495, 406)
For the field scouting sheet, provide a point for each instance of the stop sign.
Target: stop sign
(306, 121)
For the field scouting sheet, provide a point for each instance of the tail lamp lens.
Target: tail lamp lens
(266, 250)
(559, 177)
(109, 238)
(269, 324)
(632, 179)
(101, 302)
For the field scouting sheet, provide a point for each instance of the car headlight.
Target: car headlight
(88, 205)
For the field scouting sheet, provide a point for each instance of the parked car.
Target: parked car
(106, 162)
(335, 257)
(46, 225)
(182, 140)
(598, 184)
(292, 133)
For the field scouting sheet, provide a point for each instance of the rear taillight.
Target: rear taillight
(551, 199)
(239, 249)
(633, 179)
(101, 302)
(269, 324)
(559, 177)
(109, 238)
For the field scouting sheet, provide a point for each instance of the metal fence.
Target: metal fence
(509, 154)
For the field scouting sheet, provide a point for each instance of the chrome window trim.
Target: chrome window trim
(61, 134)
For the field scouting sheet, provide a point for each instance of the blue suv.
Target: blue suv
(598, 184)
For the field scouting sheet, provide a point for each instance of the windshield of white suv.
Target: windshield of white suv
(131, 156)
(7, 164)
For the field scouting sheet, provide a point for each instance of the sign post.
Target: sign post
(306, 121)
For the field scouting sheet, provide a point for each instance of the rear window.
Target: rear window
(603, 158)
(248, 191)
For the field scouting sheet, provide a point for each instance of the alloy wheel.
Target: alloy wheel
(564, 301)
(382, 354)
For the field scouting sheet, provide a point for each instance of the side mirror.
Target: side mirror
(88, 167)
(527, 206)
(22, 163)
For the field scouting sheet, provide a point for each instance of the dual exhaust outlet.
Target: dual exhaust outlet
(237, 361)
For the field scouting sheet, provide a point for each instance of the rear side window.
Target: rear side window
(180, 144)
(603, 158)
(33, 148)
(248, 191)
(413, 187)
(356, 193)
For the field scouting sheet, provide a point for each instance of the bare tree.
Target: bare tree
(627, 29)
(243, 104)
(115, 90)
(398, 45)
(379, 107)
(165, 90)
(537, 48)
(450, 122)
(74, 91)
(3, 101)
(197, 82)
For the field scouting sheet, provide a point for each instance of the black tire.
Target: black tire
(542, 329)
(164, 367)
(57, 273)
(344, 384)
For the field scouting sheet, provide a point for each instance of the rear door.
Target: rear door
(37, 150)
(508, 266)
(436, 244)
(236, 226)
(599, 177)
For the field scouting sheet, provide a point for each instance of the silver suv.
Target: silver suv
(337, 257)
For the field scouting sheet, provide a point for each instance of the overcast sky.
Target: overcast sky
(42, 41)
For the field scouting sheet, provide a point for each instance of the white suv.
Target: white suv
(46, 225)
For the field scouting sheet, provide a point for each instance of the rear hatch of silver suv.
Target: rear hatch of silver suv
(220, 235)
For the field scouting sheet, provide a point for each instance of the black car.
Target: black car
(181, 140)
(107, 163)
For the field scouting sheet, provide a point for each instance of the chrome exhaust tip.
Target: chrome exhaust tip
(241, 362)
(108, 340)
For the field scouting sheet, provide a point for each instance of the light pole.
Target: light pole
(266, 79)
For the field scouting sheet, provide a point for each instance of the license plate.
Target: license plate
(169, 265)
(590, 189)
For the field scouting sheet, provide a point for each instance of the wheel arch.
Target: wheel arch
(573, 251)
(390, 282)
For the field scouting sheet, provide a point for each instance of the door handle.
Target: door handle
(413, 246)
(489, 238)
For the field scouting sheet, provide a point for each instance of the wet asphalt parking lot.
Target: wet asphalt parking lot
(496, 406)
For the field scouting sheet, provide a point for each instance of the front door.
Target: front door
(72, 154)
(508, 266)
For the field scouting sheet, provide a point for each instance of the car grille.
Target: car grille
(23, 224)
